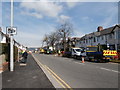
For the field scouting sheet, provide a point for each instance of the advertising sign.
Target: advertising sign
(109, 52)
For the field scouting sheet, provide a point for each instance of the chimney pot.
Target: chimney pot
(100, 28)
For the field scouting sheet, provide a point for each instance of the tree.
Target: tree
(62, 32)
(45, 40)
(53, 39)
(65, 30)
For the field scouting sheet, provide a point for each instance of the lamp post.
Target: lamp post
(11, 41)
(64, 39)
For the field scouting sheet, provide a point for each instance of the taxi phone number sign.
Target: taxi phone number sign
(109, 52)
(11, 30)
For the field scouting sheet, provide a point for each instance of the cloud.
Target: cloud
(86, 19)
(42, 9)
(28, 1)
(90, 0)
(78, 33)
(71, 4)
(62, 0)
(33, 35)
(37, 15)
(63, 18)
(0, 13)
(108, 21)
(28, 39)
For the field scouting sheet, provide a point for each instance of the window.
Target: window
(94, 39)
(78, 50)
(110, 36)
(118, 34)
(102, 37)
(89, 40)
(74, 51)
(83, 41)
(97, 39)
(91, 49)
(86, 41)
(118, 47)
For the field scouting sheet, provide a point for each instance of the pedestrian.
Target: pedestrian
(24, 55)
(59, 52)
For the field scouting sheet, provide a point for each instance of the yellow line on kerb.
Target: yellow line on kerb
(54, 75)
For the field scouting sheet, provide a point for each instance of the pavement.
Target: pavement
(29, 76)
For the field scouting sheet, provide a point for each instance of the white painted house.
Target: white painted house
(105, 37)
(2, 37)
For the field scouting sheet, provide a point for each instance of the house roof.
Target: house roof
(7, 36)
(1, 31)
(109, 30)
(106, 31)
(103, 32)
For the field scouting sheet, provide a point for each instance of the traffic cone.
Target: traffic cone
(83, 60)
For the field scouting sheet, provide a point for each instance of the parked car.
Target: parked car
(67, 54)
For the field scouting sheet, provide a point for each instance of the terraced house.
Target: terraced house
(5, 50)
(106, 38)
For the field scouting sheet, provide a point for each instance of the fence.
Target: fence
(5, 55)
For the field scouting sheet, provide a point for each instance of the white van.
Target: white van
(76, 52)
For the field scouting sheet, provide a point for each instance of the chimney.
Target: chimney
(100, 28)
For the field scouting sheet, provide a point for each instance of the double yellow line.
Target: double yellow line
(54, 75)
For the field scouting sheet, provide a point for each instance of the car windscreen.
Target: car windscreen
(91, 49)
(78, 50)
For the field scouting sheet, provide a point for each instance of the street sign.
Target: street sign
(11, 30)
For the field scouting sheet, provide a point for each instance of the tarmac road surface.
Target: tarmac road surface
(81, 75)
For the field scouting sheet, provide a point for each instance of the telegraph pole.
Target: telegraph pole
(11, 41)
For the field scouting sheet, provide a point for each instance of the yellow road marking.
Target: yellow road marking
(55, 78)
(37, 61)
(59, 78)
(54, 75)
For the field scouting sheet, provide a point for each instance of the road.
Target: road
(81, 75)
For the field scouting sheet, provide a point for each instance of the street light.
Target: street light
(11, 31)
(11, 41)
(64, 39)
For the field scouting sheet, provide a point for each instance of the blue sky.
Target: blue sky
(35, 19)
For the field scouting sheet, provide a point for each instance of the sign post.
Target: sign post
(11, 54)
(10, 31)
(11, 40)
